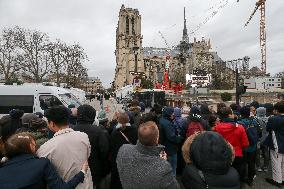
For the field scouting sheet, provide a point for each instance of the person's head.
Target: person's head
(177, 112)
(235, 107)
(220, 106)
(19, 144)
(123, 120)
(279, 107)
(252, 111)
(204, 109)
(134, 103)
(57, 117)
(210, 153)
(148, 134)
(254, 104)
(261, 112)
(245, 111)
(9, 125)
(157, 109)
(269, 109)
(33, 122)
(212, 120)
(168, 113)
(226, 112)
(148, 117)
(86, 114)
(103, 120)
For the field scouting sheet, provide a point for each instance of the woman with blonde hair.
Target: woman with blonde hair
(25, 170)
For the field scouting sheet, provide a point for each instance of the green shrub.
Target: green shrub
(226, 96)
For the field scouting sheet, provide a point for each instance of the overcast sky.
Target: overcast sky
(92, 23)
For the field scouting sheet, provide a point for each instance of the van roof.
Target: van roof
(30, 89)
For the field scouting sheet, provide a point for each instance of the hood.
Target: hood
(177, 112)
(167, 112)
(142, 106)
(86, 113)
(261, 112)
(211, 153)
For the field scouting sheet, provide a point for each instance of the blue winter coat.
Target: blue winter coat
(168, 135)
(246, 122)
(30, 172)
(276, 124)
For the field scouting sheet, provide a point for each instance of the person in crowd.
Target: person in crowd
(252, 129)
(195, 122)
(269, 109)
(168, 136)
(142, 107)
(253, 106)
(236, 135)
(36, 126)
(124, 133)
(99, 143)
(275, 142)
(35, 173)
(236, 110)
(68, 149)
(144, 165)
(219, 107)
(213, 119)
(104, 122)
(156, 110)
(209, 158)
(11, 123)
(205, 112)
(262, 149)
(179, 122)
(72, 121)
(134, 110)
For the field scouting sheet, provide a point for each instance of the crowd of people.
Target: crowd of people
(81, 148)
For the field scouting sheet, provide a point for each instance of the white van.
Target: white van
(33, 98)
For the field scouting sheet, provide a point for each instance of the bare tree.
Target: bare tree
(9, 58)
(35, 58)
(58, 63)
(74, 56)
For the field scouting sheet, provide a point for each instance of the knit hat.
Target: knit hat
(33, 122)
(210, 153)
(16, 113)
(86, 113)
(261, 112)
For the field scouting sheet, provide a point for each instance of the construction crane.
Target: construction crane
(260, 4)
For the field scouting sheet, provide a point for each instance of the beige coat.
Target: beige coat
(67, 151)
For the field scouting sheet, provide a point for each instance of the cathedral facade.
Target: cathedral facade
(150, 62)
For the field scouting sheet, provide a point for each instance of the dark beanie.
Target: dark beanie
(86, 113)
(210, 153)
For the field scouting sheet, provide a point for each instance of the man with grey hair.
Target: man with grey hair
(144, 165)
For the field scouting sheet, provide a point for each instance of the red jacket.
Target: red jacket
(235, 135)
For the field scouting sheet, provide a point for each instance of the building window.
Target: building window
(279, 79)
(127, 25)
(272, 79)
(272, 85)
(279, 85)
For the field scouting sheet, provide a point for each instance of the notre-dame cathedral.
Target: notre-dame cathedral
(133, 60)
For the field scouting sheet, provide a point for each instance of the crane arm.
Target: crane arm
(164, 40)
(253, 13)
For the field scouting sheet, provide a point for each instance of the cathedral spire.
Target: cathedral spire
(184, 34)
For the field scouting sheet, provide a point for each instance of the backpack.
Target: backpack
(194, 127)
(252, 133)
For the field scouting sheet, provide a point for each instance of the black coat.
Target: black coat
(192, 180)
(99, 141)
(117, 140)
(30, 172)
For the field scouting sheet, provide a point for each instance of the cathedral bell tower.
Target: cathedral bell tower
(129, 55)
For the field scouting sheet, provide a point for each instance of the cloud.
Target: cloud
(93, 24)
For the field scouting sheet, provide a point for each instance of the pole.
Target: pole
(237, 85)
